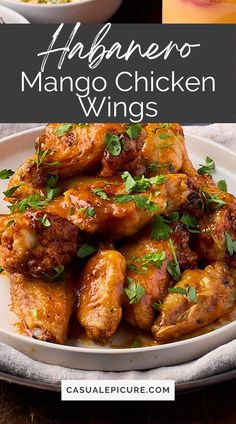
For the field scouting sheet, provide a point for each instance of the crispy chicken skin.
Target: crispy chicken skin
(44, 308)
(29, 247)
(100, 288)
(180, 316)
(164, 151)
(118, 220)
(84, 147)
(154, 281)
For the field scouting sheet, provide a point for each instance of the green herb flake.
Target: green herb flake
(5, 174)
(52, 193)
(222, 185)
(1, 269)
(161, 229)
(230, 244)
(52, 181)
(89, 212)
(63, 129)
(213, 198)
(114, 144)
(134, 291)
(136, 344)
(157, 305)
(153, 166)
(86, 250)
(191, 223)
(134, 131)
(179, 290)
(164, 136)
(100, 193)
(11, 191)
(208, 167)
(44, 221)
(9, 223)
(140, 184)
(173, 267)
(59, 275)
(34, 201)
(35, 313)
(189, 292)
(155, 258)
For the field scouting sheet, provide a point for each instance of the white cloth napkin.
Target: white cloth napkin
(217, 361)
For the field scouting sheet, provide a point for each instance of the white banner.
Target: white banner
(117, 390)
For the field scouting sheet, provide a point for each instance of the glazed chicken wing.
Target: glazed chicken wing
(43, 307)
(100, 292)
(36, 242)
(164, 151)
(147, 263)
(205, 296)
(97, 205)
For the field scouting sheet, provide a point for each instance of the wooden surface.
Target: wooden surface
(139, 11)
(215, 405)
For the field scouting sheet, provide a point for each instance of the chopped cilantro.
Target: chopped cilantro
(1, 269)
(11, 191)
(155, 258)
(114, 144)
(59, 275)
(230, 244)
(90, 212)
(213, 198)
(53, 192)
(222, 185)
(135, 344)
(140, 184)
(5, 174)
(44, 220)
(134, 291)
(189, 292)
(86, 250)
(134, 131)
(63, 129)
(52, 181)
(208, 167)
(161, 229)
(173, 267)
(99, 192)
(191, 222)
(35, 201)
(157, 305)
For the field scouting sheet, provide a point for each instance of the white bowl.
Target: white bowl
(78, 353)
(84, 11)
(9, 16)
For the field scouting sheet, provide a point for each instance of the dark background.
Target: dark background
(139, 11)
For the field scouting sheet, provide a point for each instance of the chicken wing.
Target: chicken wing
(200, 298)
(147, 267)
(164, 151)
(36, 242)
(100, 293)
(43, 307)
(98, 205)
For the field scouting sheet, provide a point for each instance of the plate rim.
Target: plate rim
(102, 351)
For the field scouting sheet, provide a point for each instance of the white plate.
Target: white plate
(9, 16)
(13, 150)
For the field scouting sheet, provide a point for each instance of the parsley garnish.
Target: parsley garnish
(41, 155)
(164, 136)
(1, 269)
(52, 181)
(35, 201)
(9, 223)
(114, 144)
(44, 220)
(59, 275)
(11, 191)
(208, 167)
(135, 344)
(161, 229)
(86, 250)
(189, 292)
(213, 198)
(140, 184)
(143, 203)
(155, 258)
(99, 192)
(134, 291)
(134, 131)
(191, 222)
(157, 305)
(63, 129)
(153, 166)
(89, 212)
(222, 185)
(173, 267)
(52, 192)
(230, 243)
(5, 174)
